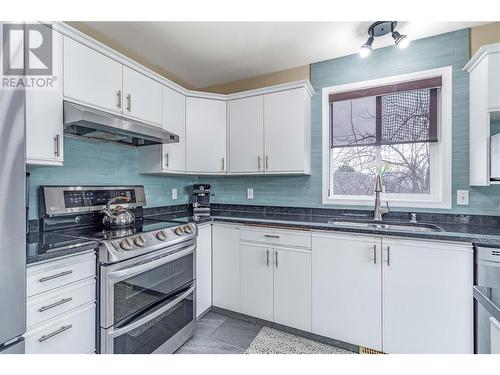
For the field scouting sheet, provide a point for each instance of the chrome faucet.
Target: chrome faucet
(379, 210)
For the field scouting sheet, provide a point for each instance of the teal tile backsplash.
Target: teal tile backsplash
(103, 163)
(438, 51)
(88, 163)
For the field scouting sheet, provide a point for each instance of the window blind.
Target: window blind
(391, 114)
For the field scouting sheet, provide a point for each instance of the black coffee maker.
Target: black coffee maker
(200, 197)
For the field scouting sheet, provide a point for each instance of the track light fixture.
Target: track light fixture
(381, 28)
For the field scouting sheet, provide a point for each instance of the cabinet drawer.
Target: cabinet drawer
(48, 305)
(281, 237)
(51, 275)
(72, 333)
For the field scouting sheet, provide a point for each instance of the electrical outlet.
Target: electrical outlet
(174, 194)
(249, 193)
(463, 197)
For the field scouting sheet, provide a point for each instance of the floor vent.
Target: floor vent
(363, 350)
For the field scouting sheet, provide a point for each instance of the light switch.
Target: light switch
(174, 194)
(249, 193)
(462, 197)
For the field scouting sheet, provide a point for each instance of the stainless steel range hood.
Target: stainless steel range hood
(86, 122)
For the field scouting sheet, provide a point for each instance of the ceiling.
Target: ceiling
(209, 53)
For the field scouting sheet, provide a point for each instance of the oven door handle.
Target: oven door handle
(147, 318)
(132, 271)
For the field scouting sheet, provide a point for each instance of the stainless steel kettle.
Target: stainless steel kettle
(118, 216)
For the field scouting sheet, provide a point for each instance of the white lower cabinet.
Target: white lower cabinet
(72, 333)
(256, 266)
(346, 288)
(61, 307)
(392, 294)
(292, 287)
(427, 297)
(276, 284)
(226, 266)
(203, 269)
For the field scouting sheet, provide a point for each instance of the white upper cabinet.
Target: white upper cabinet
(205, 136)
(92, 78)
(44, 115)
(246, 135)
(484, 105)
(287, 132)
(427, 297)
(174, 120)
(169, 157)
(347, 288)
(142, 97)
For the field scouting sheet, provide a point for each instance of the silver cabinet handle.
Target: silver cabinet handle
(129, 102)
(55, 304)
(374, 254)
(119, 99)
(388, 255)
(267, 257)
(223, 164)
(166, 159)
(276, 258)
(57, 145)
(51, 277)
(60, 330)
(271, 236)
(258, 162)
(267, 162)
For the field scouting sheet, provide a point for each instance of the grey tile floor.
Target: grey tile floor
(220, 334)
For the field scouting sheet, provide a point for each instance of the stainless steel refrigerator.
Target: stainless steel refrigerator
(12, 221)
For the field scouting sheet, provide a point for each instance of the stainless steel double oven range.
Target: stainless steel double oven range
(146, 269)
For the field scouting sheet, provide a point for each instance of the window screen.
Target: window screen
(384, 115)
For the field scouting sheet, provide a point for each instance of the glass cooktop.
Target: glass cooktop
(100, 232)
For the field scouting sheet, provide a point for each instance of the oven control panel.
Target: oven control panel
(154, 239)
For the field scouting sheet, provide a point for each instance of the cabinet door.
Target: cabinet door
(226, 266)
(493, 82)
(44, 115)
(203, 269)
(205, 136)
(286, 116)
(346, 289)
(174, 120)
(256, 266)
(91, 77)
(246, 135)
(143, 97)
(292, 288)
(427, 297)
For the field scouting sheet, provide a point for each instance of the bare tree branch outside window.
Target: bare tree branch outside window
(405, 118)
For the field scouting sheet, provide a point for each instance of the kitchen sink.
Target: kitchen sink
(386, 226)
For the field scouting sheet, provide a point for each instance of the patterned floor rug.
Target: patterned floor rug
(273, 341)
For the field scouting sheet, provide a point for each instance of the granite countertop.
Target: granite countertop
(481, 235)
(42, 246)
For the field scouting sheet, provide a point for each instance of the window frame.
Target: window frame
(441, 152)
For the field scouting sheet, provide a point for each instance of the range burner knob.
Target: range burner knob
(126, 244)
(161, 235)
(140, 241)
(178, 231)
(187, 229)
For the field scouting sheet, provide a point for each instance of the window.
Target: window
(399, 125)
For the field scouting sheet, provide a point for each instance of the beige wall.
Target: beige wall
(80, 26)
(485, 34)
(274, 78)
